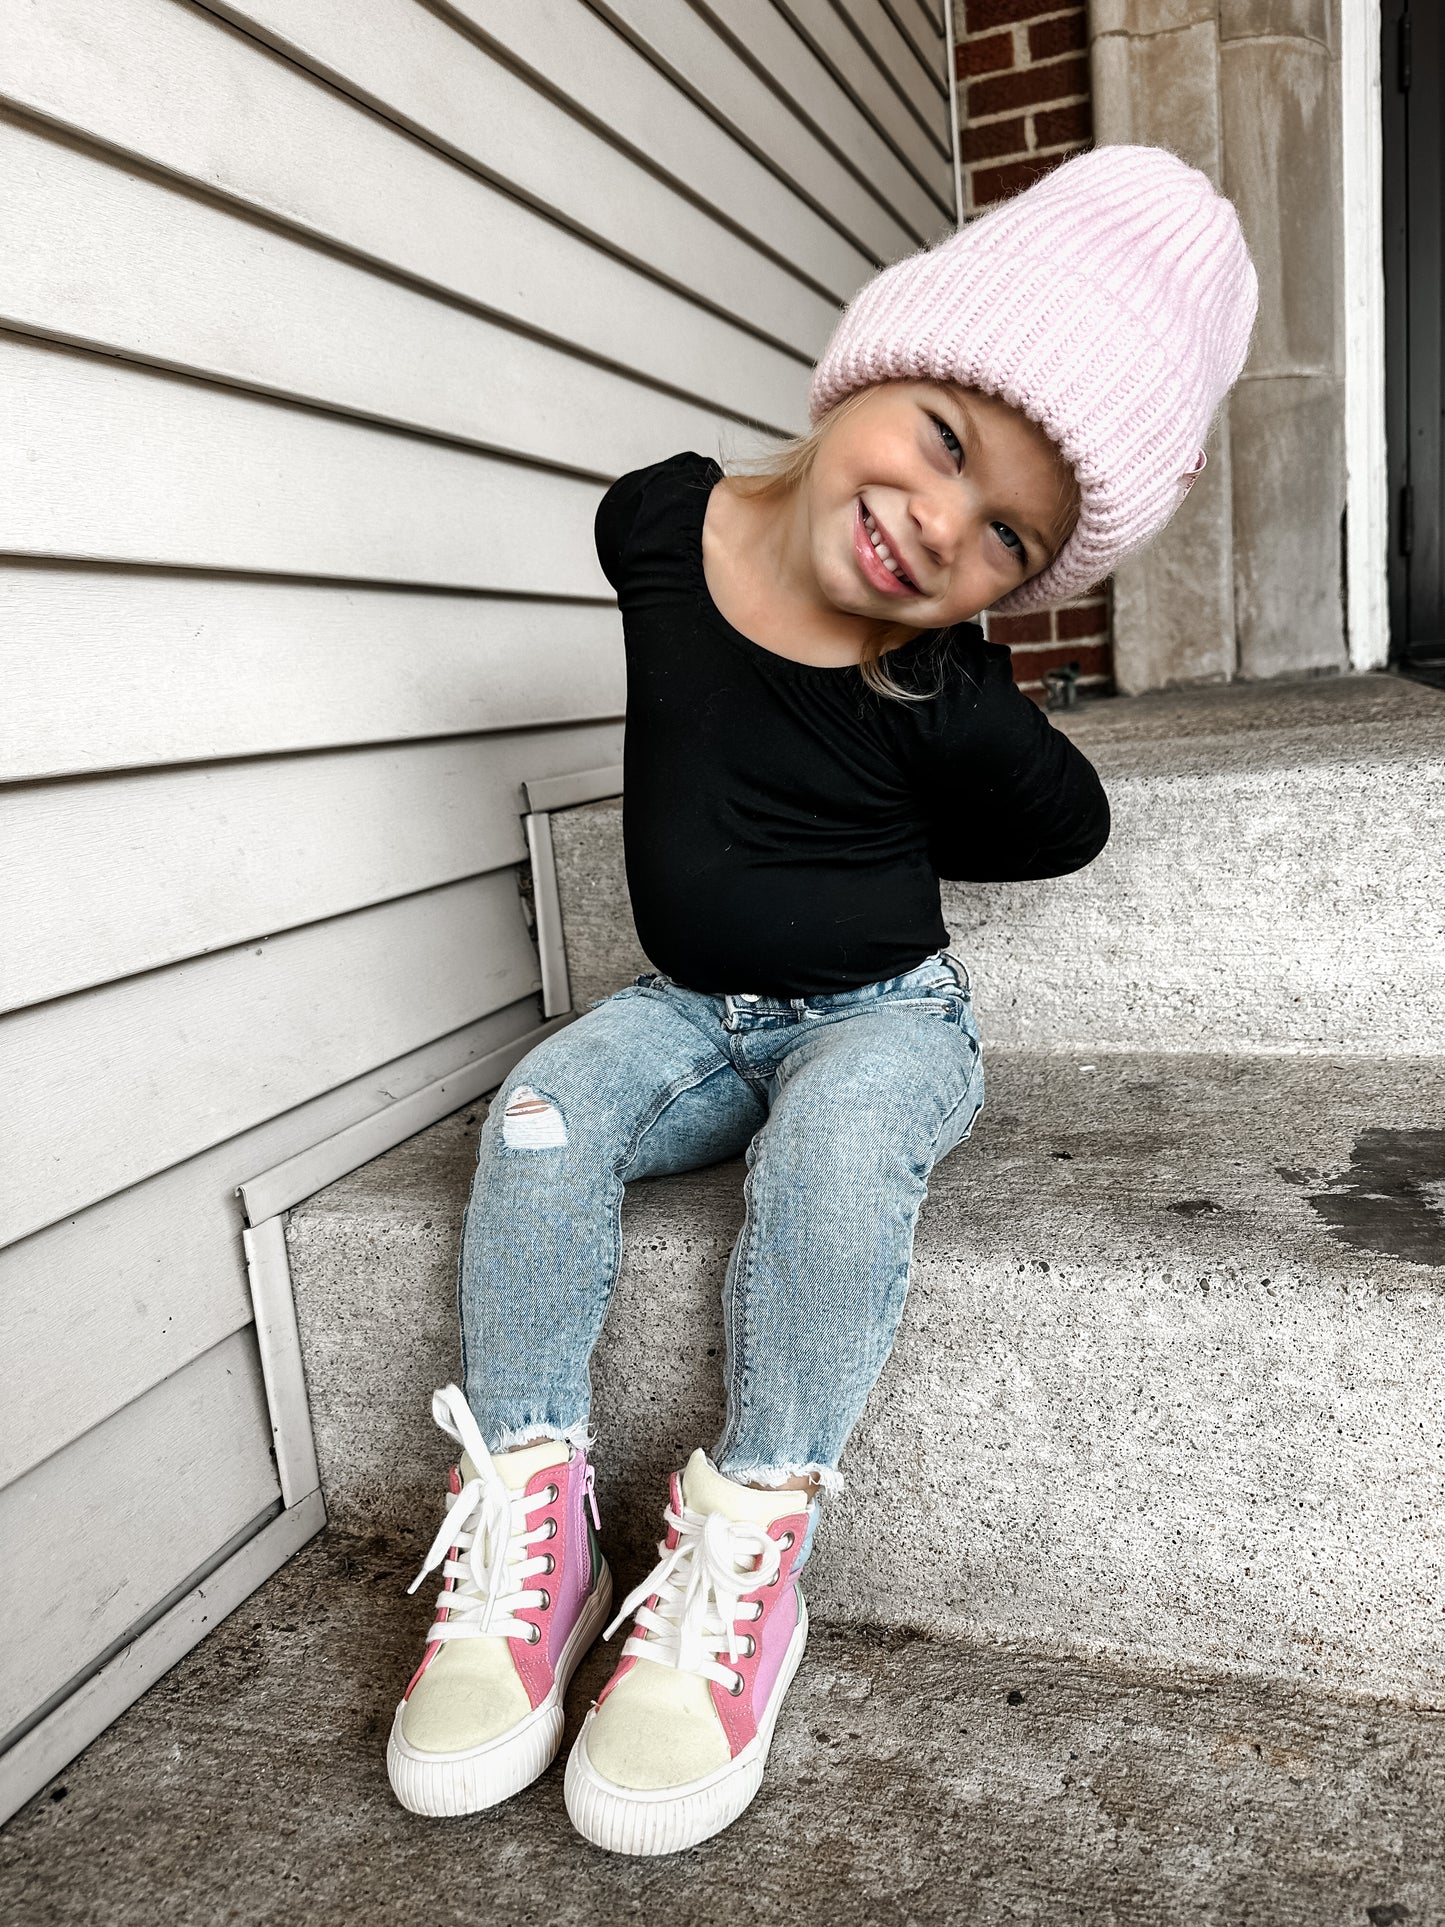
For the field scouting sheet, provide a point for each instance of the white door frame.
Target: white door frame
(955, 132)
(1367, 509)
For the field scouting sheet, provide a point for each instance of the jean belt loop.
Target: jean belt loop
(954, 958)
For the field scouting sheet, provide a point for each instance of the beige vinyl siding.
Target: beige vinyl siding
(166, 864)
(322, 329)
(125, 273)
(251, 668)
(737, 65)
(104, 1089)
(297, 492)
(202, 1434)
(260, 132)
(860, 45)
(107, 1302)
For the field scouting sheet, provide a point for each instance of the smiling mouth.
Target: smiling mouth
(885, 555)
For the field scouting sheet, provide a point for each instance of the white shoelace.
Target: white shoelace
(699, 1585)
(491, 1531)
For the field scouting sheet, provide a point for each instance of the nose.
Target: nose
(937, 519)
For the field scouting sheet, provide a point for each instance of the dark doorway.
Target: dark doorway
(1412, 72)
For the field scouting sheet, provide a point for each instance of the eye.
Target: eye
(1011, 542)
(949, 439)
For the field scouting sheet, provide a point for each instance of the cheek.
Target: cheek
(833, 560)
(965, 604)
(833, 528)
(973, 588)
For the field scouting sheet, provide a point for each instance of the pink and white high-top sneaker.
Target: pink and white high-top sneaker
(675, 1747)
(525, 1591)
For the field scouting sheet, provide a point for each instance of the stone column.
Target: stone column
(1246, 579)
(1279, 90)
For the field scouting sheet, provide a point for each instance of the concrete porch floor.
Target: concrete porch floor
(912, 1781)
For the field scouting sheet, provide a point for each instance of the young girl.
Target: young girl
(816, 733)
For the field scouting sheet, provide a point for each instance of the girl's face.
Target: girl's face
(926, 503)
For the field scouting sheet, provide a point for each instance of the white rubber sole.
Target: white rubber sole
(441, 1785)
(668, 1819)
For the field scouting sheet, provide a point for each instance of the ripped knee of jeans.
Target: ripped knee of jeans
(532, 1122)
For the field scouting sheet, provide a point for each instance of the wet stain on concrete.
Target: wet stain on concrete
(1392, 1197)
(1195, 1207)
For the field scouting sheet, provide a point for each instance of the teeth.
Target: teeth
(880, 547)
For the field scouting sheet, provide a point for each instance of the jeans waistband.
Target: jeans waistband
(921, 975)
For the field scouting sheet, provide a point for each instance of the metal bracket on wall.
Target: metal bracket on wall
(278, 1340)
(543, 796)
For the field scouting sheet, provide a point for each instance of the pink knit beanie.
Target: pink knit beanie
(1111, 302)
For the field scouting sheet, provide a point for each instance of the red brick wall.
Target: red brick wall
(1023, 73)
(1023, 70)
(1071, 632)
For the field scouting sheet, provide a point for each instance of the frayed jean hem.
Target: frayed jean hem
(579, 1436)
(774, 1477)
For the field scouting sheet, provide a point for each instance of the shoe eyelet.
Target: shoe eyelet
(551, 1495)
(551, 1532)
(534, 1637)
(737, 1686)
(752, 1645)
(551, 1565)
(786, 1540)
(546, 1600)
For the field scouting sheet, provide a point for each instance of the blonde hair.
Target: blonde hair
(782, 470)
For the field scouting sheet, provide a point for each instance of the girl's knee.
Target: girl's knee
(552, 1104)
(532, 1121)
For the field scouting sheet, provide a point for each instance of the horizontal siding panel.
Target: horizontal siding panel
(880, 137)
(919, 81)
(923, 24)
(869, 68)
(102, 1090)
(422, 72)
(140, 1503)
(809, 147)
(250, 668)
(582, 57)
(102, 1306)
(108, 462)
(181, 90)
(168, 864)
(98, 253)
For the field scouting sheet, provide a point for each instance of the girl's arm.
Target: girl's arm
(1008, 796)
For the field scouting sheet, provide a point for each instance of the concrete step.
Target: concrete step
(1274, 882)
(913, 1782)
(1171, 1380)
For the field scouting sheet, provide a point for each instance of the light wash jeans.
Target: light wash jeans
(843, 1103)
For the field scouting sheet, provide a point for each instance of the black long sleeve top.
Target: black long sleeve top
(784, 824)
